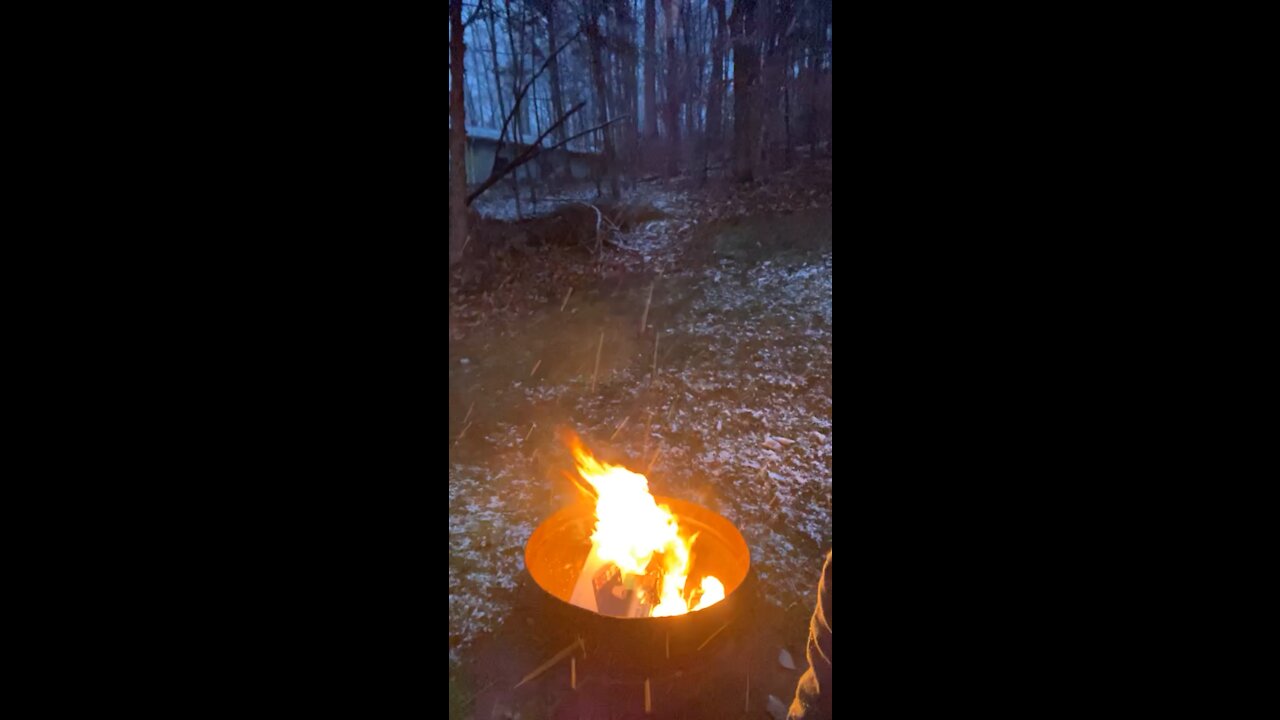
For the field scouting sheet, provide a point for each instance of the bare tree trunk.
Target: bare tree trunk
(818, 39)
(715, 99)
(767, 86)
(776, 26)
(786, 112)
(497, 74)
(766, 11)
(673, 90)
(497, 86)
(692, 90)
(557, 99)
(526, 43)
(746, 71)
(493, 94)
(542, 175)
(650, 71)
(592, 27)
(517, 130)
(627, 48)
(457, 137)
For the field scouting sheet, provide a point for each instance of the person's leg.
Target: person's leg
(813, 693)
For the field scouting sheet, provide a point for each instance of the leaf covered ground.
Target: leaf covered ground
(723, 397)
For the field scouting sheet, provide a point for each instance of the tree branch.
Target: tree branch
(566, 141)
(502, 136)
(475, 15)
(524, 157)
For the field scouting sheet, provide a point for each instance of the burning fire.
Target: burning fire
(631, 528)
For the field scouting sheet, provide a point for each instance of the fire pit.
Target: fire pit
(664, 613)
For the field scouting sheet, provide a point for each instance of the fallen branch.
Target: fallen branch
(644, 318)
(464, 432)
(599, 347)
(620, 426)
(599, 217)
(611, 243)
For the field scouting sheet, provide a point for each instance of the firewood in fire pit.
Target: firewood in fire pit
(602, 588)
(625, 595)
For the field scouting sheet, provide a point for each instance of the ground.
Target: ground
(723, 397)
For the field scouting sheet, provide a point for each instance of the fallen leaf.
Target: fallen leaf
(784, 659)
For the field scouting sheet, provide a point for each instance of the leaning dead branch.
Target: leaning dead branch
(644, 318)
(653, 460)
(550, 663)
(461, 434)
(601, 126)
(536, 148)
(595, 373)
(712, 636)
(619, 428)
(515, 108)
(524, 157)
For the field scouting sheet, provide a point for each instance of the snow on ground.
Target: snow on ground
(738, 415)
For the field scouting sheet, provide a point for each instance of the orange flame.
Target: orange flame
(631, 528)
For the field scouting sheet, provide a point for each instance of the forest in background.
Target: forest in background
(656, 88)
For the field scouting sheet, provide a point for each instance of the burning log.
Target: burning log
(603, 588)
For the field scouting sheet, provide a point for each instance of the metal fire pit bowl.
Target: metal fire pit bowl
(559, 546)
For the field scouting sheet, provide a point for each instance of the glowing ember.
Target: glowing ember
(632, 528)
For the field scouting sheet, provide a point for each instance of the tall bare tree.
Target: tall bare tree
(669, 22)
(650, 71)
(715, 91)
(777, 23)
(595, 43)
(549, 10)
(626, 47)
(670, 90)
(690, 92)
(497, 86)
(746, 73)
(517, 75)
(457, 137)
